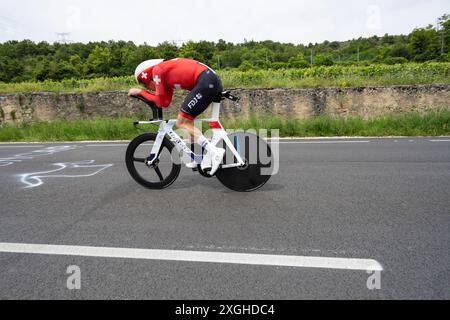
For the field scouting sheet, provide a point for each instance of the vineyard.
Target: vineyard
(321, 76)
(341, 76)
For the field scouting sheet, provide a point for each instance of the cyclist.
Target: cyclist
(163, 77)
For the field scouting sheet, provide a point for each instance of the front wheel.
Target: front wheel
(257, 170)
(165, 169)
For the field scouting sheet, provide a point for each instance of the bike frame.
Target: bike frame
(219, 134)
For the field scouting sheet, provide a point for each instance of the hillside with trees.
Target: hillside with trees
(23, 61)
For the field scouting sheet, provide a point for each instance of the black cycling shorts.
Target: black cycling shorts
(202, 95)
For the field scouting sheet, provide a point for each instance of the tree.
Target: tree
(189, 50)
(395, 60)
(400, 50)
(167, 50)
(53, 71)
(144, 52)
(298, 61)
(99, 61)
(11, 70)
(245, 66)
(206, 50)
(388, 39)
(444, 33)
(323, 60)
(77, 66)
(4, 74)
(231, 58)
(222, 45)
(424, 44)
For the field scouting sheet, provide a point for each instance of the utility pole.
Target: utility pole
(358, 54)
(312, 61)
(441, 33)
(178, 42)
(218, 62)
(63, 37)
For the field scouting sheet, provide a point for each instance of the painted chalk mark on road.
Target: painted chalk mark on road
(33, 154)
(87, 168)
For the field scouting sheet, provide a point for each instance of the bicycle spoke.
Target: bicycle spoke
(158, 172)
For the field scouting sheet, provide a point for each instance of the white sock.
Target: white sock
(205, 143)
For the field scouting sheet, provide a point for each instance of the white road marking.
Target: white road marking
(279, 142)
(439, 140)
(33, 146)
(195, 256)
(319, 142)
(107, 145)
(115, 145)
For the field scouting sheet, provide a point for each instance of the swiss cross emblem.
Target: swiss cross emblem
(144, 75)
(157, 79)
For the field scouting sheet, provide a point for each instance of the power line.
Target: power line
(7, 25)
(178, 42)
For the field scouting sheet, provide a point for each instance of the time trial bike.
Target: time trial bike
(154, 160)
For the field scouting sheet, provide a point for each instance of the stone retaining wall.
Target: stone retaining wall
(294, 103)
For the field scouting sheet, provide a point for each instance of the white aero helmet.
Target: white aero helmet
(143, 73)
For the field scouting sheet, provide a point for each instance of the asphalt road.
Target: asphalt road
(381, 199)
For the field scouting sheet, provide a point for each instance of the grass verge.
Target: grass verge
(432, 124)
(413, 124)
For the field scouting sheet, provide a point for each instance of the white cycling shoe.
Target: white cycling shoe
(212, 160)
(192, 165)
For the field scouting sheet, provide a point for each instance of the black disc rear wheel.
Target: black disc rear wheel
(165, 169)
(257, 170)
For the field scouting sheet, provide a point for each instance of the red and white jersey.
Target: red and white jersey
(170, 75)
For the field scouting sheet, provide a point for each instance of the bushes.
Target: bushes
(395, 60)
(321, 60)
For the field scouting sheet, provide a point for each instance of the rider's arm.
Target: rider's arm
(163, 95)
(161, 101)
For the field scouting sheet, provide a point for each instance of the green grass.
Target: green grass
(432, 124)
(413, 124)
(334, 76)
(99, 129)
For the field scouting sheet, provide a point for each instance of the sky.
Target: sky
(295, 21)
